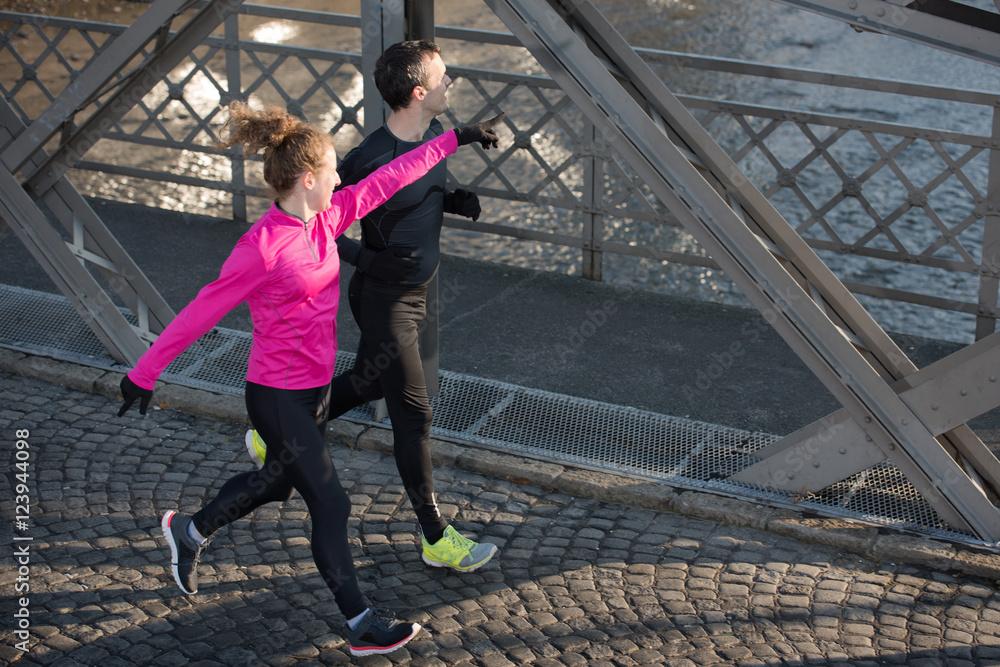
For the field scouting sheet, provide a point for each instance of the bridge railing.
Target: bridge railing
(908, 217)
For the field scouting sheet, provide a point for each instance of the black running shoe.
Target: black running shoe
(379, 632)
(184, 550)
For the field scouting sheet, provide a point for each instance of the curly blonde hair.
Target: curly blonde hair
(291, 146)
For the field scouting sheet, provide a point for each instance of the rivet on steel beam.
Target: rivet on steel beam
(993, 378)
(868, 438)
(964, 392)
(852, 4)
(816, 465)
(935, 406)
(843, 450)
(868, 420)
(892, 445)
(880, 11)
(905, 422)
(791, 477)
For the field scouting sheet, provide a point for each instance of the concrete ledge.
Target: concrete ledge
(867, 541)
(917, 550)
(616, 489)
(509, 466)
(729, 511)
(857, 538)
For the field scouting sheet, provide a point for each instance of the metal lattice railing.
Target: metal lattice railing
(847, 184)
(536, 423)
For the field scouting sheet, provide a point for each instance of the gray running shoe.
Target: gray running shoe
(184, 550)
(379, 632)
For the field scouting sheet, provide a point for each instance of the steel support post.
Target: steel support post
(743, 251)
(420, 25)
(989, 277)
(593, 198)
(382, 24)
(234, 85)
(420, 19)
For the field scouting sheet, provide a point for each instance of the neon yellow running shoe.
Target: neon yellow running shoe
(256, 448)
(457, 552)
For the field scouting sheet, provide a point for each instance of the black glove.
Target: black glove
(132, 391)
(481, 132)
(464, 203)
(390, 265)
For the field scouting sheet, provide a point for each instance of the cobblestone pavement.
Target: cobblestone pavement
(577, 581)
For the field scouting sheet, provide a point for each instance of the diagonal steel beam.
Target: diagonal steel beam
(949, 26)
(944, 396)
(744, 253)
(139, 82)
(88, 298)
(93, 240)
(836, 300)
(88, 86)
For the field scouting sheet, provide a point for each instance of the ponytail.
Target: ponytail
(291, 146)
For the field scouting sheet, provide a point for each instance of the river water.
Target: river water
(754, 30)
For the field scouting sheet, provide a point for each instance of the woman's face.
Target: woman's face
(325, 180)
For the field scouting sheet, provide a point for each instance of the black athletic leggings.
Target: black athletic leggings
(292, 423)
(388, 366)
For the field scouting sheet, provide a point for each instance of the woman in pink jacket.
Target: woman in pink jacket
(287, 270)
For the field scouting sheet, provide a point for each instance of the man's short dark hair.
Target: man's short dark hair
(400, 69)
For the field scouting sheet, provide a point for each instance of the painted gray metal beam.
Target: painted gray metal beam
(747, 260)
(68, 273)
(91, 241)
(168, 54)
(834, 297)
(77, 217)
(948, 26)
(944, 396)
(382, 24)
(91, 81)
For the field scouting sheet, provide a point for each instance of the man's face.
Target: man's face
(435, 92)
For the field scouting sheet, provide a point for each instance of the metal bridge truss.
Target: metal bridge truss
(920, 203)
(114, 88)
(917, 420)
(891, 411)
(942, 24)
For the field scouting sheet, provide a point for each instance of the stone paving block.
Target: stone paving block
(578, 580)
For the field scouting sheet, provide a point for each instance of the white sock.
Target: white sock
(195, 535)
(353, 623)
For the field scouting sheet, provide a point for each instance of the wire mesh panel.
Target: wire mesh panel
(899, 212)
(536, 423)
